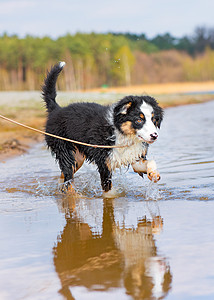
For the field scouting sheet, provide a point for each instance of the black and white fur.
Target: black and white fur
(133, 121)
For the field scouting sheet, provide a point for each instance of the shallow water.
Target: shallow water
(154, 241)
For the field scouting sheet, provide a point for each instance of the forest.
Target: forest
(111, 59)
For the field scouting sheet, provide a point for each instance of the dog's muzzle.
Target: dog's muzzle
(154, 136)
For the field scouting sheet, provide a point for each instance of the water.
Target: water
(155, 241)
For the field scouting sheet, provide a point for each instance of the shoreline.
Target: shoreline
(161, 88)
(17, 145)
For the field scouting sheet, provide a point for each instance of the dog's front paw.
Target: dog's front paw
(152, 171)
(154, 176)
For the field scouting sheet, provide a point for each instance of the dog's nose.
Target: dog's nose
(154, 136)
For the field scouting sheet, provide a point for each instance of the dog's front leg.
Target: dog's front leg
(152, 171)
(105, 176)
(149, 167)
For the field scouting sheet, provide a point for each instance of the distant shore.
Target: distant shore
(27, 107)
(162, 88)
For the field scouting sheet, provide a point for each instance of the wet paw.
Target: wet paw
(110, 194)
(70, 189)
(67, 188)
(154, 176)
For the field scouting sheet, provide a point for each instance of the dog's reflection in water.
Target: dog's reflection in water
(112, 256)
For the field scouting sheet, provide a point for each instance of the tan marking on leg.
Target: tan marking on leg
(108, 164)
(61, 179)
(70, 188)
(67, 188)
(79, 158)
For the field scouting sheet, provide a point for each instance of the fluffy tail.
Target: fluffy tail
(49, 87)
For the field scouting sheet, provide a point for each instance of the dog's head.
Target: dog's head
(139, 116)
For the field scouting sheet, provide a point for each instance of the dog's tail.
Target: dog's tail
(49, 87)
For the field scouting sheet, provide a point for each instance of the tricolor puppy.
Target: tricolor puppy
(133, 121)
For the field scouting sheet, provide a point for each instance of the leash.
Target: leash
(60, 137)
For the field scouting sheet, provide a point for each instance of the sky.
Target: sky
(56, 18)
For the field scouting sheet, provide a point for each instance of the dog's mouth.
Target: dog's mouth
(148, 142)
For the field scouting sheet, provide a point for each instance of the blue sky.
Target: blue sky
(152, 17)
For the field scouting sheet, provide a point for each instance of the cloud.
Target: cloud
(54, 17)
(11, 7)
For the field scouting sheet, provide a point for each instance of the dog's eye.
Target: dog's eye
(139, 121)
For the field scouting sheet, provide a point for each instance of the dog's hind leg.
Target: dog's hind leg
(67, 175)
(70, 162)
(79, 159)
(66, 159)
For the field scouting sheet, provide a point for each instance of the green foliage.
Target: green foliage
(164, 42)
(108, 59)
(186, 45)
(124, 60)
(200, 69)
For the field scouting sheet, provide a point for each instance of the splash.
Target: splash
(152, 191)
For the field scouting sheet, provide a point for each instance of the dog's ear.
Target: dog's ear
(124, 108)
(159, 117)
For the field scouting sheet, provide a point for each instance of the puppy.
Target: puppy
(132, 122)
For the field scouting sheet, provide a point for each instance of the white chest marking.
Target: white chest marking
(124, 156)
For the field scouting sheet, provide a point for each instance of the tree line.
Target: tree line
(110, 59)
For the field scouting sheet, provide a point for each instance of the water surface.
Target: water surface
(153, 242)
